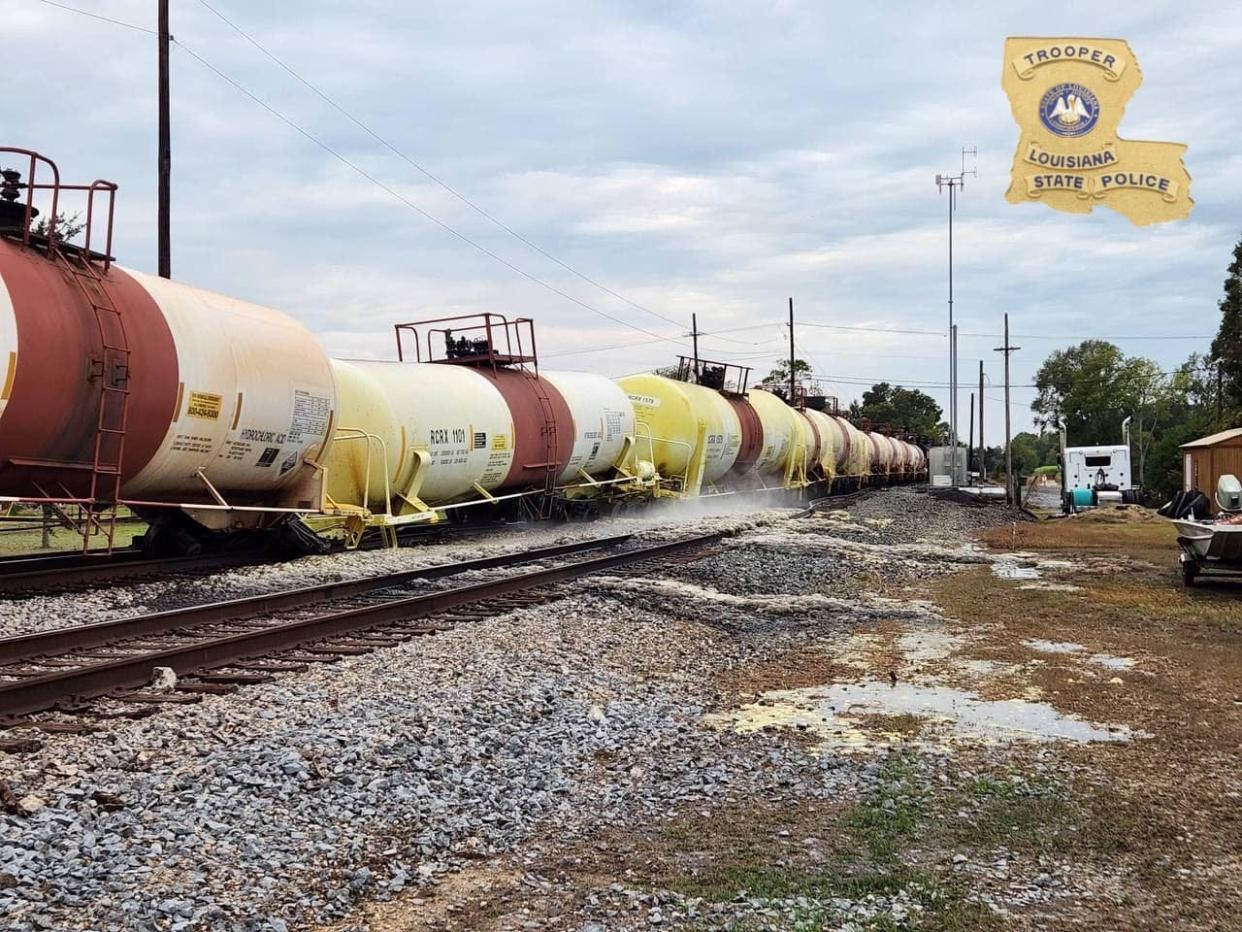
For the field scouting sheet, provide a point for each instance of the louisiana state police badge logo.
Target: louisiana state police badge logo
(1069, 109)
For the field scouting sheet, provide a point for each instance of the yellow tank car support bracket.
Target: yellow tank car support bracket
(406, 500)
(694, 475)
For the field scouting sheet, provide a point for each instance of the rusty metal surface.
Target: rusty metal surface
(46, 691)
(66, 573)
(49, 426)
(542, 425)
(752, 434)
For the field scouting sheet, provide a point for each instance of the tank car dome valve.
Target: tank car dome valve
(12, 214)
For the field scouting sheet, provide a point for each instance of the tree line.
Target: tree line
(1092, 388)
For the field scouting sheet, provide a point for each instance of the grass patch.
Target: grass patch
(755, 857)
(890, 814)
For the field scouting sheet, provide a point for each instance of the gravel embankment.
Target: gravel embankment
(284, 805)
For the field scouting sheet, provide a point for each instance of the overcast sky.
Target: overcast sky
(713, 158)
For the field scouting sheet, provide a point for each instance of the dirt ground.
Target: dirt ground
(975, 832)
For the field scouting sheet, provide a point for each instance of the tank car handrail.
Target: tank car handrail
(56, 186)
(685, 476)
(359, 434)
(489, 323)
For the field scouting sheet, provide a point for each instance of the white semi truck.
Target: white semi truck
(1091, 476)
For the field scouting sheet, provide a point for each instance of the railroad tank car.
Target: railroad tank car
(687, 433)
(118, 376)
(881, 454)
(857, 462)
(782, 435)
(830, 450)
(399, 447)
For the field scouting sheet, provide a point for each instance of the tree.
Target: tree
(1080, 385)
(907, 408)
(1227, 347)
(780, 373)
(66, 227)
(1026, 453)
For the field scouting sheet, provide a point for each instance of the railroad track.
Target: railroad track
(219, 646)
(73, 571)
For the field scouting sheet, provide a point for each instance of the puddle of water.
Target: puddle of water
(924, 646)
(832, 713)
(1111, 661)
(1057, 565)
(1053, 647)
(1012, 569)
(1051, 586)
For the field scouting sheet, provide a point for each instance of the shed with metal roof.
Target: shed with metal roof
(1205, 460)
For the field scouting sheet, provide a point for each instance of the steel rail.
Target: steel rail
(98, 569)
(79, 637)
(43, 692)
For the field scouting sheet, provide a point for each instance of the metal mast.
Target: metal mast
(954, 183)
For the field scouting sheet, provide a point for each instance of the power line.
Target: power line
(992, 336)
(405, 200)
(367, 175)
(106, 19)
(426, 172)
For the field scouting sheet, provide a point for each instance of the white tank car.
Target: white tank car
(420, 435)
(603, 419)
(254, 399)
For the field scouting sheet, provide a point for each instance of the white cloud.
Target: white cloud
(698, 158)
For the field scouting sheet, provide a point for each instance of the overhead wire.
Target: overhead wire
(395, 150)
(353, 166)
(106, 19)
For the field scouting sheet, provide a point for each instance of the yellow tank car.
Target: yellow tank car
(688, 434)
(831, 442)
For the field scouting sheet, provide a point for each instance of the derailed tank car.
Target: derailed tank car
(213, 417)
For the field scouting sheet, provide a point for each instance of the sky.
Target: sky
(656, 160)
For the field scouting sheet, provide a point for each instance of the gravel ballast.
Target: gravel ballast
(285, 805)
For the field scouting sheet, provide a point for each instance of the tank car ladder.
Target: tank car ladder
(549, 440)
(112, 416)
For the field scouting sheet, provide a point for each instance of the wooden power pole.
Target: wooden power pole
(163, 221)
(1008, 351)
(694, 334)
(791, 353)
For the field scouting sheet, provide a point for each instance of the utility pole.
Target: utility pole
(1007, 350)
(694, 334)
(163, 222)
(970, 439)
(954, 183)
(791, 353)
(983, 456)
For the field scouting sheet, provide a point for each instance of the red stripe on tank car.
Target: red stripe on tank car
(48, 430)
(812, 455)
(847, 445)
(543, 427)
(752, 435)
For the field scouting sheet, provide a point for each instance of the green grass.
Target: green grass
(866, 863)
(890, 814)
(17, 543)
